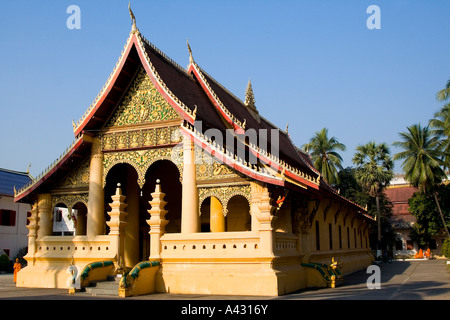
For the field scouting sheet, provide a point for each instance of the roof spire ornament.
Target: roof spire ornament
(133, 18)
(250, 97)
(191, 59)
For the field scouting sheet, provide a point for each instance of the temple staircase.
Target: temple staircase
(108, 287)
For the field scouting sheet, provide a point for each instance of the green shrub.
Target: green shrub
(446, 248)
(20, 254)
(6, 265)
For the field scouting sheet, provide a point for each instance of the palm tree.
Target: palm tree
(374, 172)
(441, 122)
(444, 94)
(423, 164)
(441, 125)
(324, 155)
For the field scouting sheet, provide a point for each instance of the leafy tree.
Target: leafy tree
(352, 190)
(446, 248)
(422, 161)
(5, 263)
(423, 207)
(326, 159)
(374, 172)
(20, 255)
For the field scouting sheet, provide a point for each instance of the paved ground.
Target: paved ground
(400, 280)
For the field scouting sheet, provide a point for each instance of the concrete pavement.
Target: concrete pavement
(400, 280)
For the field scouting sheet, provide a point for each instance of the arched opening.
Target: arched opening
(127, 176)
(205, 215)
(79, 214)
(167, 172)
(211, 216)
(137, 238)
(63, 222)
(238, 214)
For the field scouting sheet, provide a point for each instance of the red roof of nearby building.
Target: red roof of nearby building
(399, 196)
(400, 193)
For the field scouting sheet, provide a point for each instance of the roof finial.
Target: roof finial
(287, 126)
(191, 59)
(249, 96)
(133, 18)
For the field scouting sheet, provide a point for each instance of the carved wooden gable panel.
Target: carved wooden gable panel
(209, 168)
(77, 178)
(142, 104)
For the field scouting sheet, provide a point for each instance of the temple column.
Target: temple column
(45, 226)
(217, 219)
(95, 216)
(132, 230)
(81, 221)
(189, 206)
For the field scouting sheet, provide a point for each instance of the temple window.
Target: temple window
(317, 236)
(330, 235)
(348, 238)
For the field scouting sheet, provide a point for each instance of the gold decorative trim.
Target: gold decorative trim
(144, 138)
(224, 194)
(69, 200)
(140, 160)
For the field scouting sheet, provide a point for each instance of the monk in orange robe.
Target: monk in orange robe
(17, 267)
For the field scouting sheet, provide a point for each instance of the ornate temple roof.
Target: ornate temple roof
(196, 96)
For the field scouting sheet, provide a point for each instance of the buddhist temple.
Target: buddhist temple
(173, 184)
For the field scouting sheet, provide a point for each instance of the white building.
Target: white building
(63, 223)
(13, 215)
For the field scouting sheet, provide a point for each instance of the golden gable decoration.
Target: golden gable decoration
(142, 104)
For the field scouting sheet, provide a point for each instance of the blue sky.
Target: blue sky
(313, 64)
